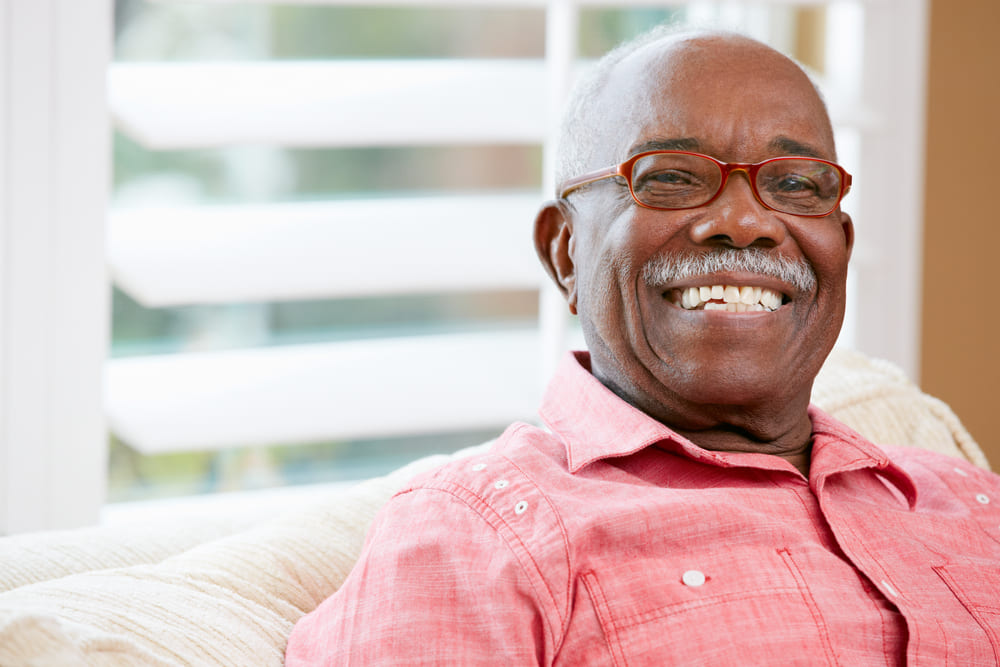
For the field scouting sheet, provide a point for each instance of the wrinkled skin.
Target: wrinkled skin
(736, 382)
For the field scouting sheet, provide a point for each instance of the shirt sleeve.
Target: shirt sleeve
(436, 584)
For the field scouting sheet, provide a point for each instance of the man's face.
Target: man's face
(738, 102)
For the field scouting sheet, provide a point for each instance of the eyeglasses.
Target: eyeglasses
(673, 180)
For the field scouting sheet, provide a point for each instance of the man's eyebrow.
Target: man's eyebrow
(792, 147)
(784, 145)
(679, 144)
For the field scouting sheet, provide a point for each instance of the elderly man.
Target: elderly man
(686, 506)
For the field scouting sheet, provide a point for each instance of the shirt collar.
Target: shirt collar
(838, 449)
(595, 424)
(592, 421)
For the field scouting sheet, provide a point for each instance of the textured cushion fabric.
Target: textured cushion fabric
(233, 600)
(33, 557)
(876, 399)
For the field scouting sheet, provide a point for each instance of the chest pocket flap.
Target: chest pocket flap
(714, 609)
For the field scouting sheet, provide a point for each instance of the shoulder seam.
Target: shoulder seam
(566, 550)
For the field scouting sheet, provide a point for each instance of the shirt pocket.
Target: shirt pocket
(977, 587)
(734, 608)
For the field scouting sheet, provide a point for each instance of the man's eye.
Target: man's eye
(669, 178)
(791, 184)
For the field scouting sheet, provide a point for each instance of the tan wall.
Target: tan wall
(960, 356)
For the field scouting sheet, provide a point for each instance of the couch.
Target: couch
(227, 590)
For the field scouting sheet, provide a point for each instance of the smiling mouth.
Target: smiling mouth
(729, 298)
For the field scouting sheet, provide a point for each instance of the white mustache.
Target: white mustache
(666, 269)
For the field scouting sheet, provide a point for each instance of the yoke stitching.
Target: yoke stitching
(566, 551)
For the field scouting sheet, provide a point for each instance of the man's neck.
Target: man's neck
(795, 446)
(773, 421)
(785, 432)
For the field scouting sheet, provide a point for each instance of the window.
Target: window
(318, 236)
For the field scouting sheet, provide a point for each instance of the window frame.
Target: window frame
(54, 300)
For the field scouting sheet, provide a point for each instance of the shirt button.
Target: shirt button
(521, 507)
(501, 484)
(693, 578)
(479, 467)
(983, 498)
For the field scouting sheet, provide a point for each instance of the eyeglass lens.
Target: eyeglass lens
(800, 186)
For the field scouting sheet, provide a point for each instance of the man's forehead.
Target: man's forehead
(694, 57)
(720, 79)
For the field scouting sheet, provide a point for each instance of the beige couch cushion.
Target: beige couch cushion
(877, 400)
(233, 601)
(32, 557)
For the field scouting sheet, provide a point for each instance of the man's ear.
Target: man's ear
(554, 244)
(848, 226)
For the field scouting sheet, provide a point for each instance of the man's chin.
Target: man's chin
(753, 380)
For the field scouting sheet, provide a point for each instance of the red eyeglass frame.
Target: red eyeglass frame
(749, 168)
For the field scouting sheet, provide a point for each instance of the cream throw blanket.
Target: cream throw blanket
(227, 594)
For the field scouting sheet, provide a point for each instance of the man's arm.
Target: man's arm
(436, 583)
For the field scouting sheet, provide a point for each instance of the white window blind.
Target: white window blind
(447, 242)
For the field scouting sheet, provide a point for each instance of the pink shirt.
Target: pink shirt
(611, 540)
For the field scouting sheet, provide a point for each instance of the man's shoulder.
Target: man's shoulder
(493, 488)
(503, 490)
(908, 456)
(935, 474)
(523, 454)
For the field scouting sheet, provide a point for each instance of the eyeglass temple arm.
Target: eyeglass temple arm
(586, 179)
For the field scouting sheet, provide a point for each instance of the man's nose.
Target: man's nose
(736, 219)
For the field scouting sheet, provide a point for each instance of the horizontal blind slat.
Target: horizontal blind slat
(254, 253)
(330, 103)
(296, 394)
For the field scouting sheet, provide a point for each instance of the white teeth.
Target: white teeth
(691, 298)
(736, 299)
(770, 299)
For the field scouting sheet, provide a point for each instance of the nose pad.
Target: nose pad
(737, 219)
